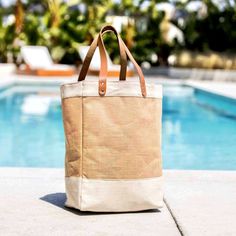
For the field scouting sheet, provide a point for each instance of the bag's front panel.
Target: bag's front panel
(121, 137)
(113, 156)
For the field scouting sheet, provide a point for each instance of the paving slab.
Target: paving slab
(32, 203)
(202, 202)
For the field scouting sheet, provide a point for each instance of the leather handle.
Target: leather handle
(91, 51)
(138, 69)
(103, 70)
(102, 84)
(123, 57)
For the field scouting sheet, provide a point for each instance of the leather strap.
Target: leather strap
(91, 51)
(102, 84)
(104, 70)
(88, 58)
(138, 69)
(123, 57)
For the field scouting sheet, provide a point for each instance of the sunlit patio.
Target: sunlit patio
(196, 202)
(186, 51)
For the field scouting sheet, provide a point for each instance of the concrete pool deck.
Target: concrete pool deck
(226, 89)
(196, 202)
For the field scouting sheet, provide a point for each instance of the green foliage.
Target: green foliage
(6, 42)
(63, 27)
(149, 41)
(215, 32)
(144, 37)
(58, 26)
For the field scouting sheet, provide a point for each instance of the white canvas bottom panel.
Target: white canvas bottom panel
(114, 195)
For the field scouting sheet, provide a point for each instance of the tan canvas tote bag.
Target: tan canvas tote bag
(113, 138)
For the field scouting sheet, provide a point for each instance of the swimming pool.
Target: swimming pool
(199, 129)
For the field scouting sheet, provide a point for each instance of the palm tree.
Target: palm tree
(19, 16)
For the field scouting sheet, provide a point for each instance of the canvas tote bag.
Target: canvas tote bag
(113, 138)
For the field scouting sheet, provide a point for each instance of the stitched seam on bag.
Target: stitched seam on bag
(126, 180)
(82, 146)
(109, 96)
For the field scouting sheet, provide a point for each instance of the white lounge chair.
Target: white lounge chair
(39, 62)
(113, 69)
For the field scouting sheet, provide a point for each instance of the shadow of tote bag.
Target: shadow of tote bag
(113, 138)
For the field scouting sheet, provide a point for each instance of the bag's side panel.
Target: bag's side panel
(73, 191)
(72, 118)
(122, 138)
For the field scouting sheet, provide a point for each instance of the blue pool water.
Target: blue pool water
(199, 130)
